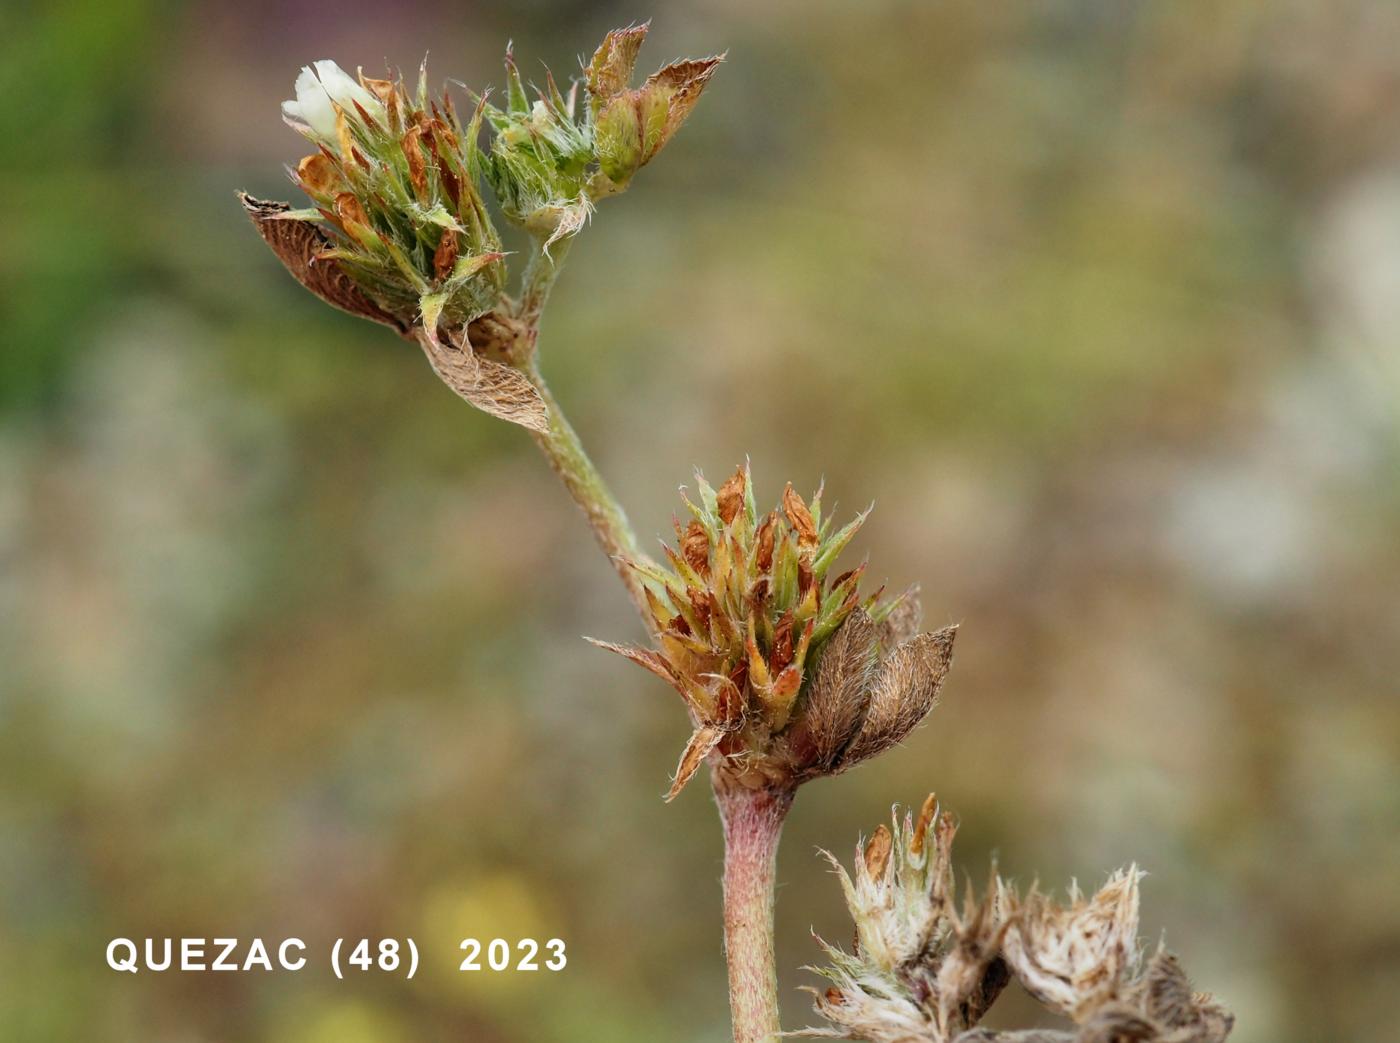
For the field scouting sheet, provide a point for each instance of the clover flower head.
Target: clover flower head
(398, 232)
(788, 672)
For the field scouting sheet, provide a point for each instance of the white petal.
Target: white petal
(291, 111)
(312, 105)
(344, 89)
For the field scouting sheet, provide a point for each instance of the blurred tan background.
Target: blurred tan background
(1099, 302)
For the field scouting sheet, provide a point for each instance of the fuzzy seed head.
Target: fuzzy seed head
(926, 968)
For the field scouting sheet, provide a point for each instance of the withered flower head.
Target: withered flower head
(787, 671)
(922, 970)
(921, 967)
(1076, 957)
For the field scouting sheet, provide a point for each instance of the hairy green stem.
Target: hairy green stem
(753, 823)
(560, 443)
(752, 819)
(565, 453)
(540, 272)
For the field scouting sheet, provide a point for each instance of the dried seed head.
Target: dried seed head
(922, 968)
(397, 215)
(926, 968)
(904, 690)
(839, 694)
(1077, 957)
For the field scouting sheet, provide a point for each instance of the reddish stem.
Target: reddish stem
(753, 822)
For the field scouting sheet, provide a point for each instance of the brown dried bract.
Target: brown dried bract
(445, 256)
(877, 852)
(904, 620)
(731, 496)
(695, 546)
(350, 211)
(704, 740)
(685, 81)
(799, 517)
(764, 541)
(611, 68)
(926, 815)
(417, 164)
(318, 175)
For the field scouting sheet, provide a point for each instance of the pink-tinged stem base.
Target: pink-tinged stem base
(753, 822)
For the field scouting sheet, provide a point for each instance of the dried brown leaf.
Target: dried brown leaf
(491, 386)
(684, 82)
(647, 658)
(299, 244)
(611, 68)
(653, 661)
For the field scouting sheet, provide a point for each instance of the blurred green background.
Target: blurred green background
(1099, 302)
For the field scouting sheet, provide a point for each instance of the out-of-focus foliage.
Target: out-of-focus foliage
(1100, 302)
